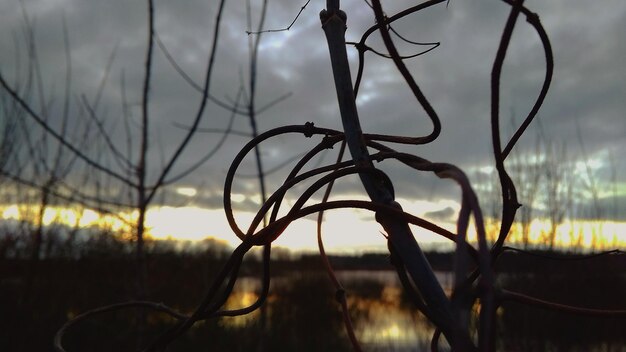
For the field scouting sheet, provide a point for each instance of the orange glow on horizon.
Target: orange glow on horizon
(347, 230)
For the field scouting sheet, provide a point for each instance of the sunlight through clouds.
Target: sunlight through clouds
(454, 77)
(188, 223)
(186, 191)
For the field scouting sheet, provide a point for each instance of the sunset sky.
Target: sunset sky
(587, 98)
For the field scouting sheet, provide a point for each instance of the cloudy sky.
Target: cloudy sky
(587, 96)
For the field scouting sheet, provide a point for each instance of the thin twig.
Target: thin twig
(281, 29)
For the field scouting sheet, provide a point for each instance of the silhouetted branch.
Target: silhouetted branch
(565, 257)
(474, 278)
(212, 152)
(340, 292)
(261, 31)
(506, 295)
(41, 121)
(533, 19)
(159, 307)
(205, 94)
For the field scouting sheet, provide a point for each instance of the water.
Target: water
(383, 318)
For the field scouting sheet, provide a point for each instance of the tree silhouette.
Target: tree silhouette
(119, 175)
(475, 287)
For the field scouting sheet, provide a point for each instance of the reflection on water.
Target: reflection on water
(387, 321)
(382, 317)
(301, 313)
(245, 293)
(387, 324)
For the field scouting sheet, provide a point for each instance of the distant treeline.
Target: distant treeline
(103, 244)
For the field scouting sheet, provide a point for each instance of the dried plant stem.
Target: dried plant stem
(334, 25)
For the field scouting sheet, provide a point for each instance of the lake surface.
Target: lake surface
(382, 317)
(385, 320)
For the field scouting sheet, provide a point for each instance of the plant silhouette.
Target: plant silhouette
(467, 318)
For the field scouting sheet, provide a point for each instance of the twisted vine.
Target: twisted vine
(473, 272)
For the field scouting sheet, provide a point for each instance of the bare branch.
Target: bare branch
(281, 29)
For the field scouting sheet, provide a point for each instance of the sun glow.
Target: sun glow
(346, 230)
(51, 215)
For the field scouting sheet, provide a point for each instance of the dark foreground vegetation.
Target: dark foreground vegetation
(301, 313)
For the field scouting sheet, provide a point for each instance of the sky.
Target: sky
(586, 99)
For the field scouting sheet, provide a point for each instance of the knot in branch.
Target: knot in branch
(361, 47)
(328, 142)
(309, 129)
(327, 15)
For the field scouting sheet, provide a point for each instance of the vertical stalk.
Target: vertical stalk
(254, 57)
(254, 51)
(400, 236)
(142, 200)
(142, 196)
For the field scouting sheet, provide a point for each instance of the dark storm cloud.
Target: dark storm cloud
(586, 97)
